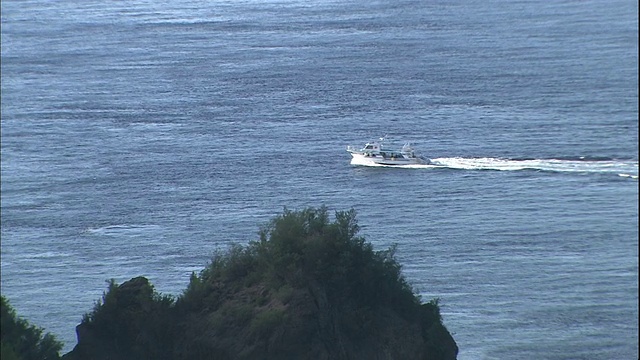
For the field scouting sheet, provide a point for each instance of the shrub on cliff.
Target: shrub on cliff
(301, 246)
(309, 288)
(132, 321)
(302, 258)
(21, 341)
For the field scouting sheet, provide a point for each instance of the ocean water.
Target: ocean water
(138, 137)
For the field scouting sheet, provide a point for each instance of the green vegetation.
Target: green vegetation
(21, 341)
(308, 288)
(136, 321)
(296, 247)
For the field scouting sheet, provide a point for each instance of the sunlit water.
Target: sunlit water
(138, 138)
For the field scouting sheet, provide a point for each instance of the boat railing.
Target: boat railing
(351, 148)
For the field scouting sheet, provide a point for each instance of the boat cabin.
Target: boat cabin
(377, 149)
(372, 147)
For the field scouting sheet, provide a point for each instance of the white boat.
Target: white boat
(377, 153)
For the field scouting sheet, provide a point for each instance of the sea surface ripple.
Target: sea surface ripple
(138, 137)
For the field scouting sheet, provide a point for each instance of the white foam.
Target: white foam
(629, 176)
(621, 168)
(585, 166)
(112, 230)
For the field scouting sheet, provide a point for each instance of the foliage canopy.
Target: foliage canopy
(309, 285)
(299, 247)
(22, 341)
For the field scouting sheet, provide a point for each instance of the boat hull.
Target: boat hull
(362, 159)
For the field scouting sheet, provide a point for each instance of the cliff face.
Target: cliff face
(313, 291)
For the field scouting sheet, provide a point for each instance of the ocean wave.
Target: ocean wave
(122, 229)
(629, 176)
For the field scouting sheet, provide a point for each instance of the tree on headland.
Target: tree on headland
(308, 288)
(21, 341)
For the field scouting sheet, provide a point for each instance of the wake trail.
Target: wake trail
(623, 168)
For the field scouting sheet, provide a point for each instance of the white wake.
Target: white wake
(624, 168)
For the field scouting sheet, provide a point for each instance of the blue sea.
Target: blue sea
(139, 137)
